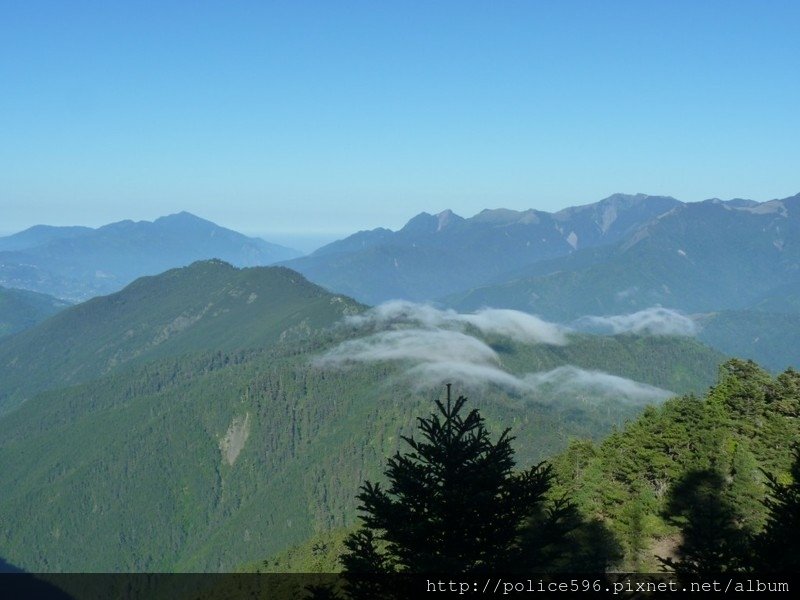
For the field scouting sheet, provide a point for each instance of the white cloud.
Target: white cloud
(436, 348)
(572, 380)
(417, 345)
(519, 326)
(654, 321)
(402, 312)
(626, 293)
(566, 382)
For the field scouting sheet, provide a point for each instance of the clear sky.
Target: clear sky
(333, 116)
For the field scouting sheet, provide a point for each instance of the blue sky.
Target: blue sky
(329, 117)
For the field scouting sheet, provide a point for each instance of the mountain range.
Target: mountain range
(436, 255)
(77, 263)
(623, 253)
(696, 257)
(185, 422)
(730, 265)
(724, 263)
(205, 416)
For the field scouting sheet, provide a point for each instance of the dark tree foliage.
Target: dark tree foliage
(777, 548)
(454, 504)
(712, 542)
(556, 538)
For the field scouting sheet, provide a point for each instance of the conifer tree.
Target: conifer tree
(777, 549)
(453, 503)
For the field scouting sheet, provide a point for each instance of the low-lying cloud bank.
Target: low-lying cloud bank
(566, 381)
(436, 347)
(416, 345)
(516, 325)
(573, 380)
(652, 321)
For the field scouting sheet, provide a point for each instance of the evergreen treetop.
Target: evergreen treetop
(453, 503)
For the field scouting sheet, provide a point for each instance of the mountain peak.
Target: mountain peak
(741, 203)
(427, 223)
(183, 215)
(183, 219)
(628, 200)
(84, 262)
(447, 218)
(422, 223)
(619, 212)
(497, 216)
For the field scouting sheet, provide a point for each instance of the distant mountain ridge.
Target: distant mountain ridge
(435, 255)
(77, 263)
(626, 252)
(697, 257)
(38, 235)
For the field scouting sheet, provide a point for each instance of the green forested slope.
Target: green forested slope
(210, 462)
(640, 481)
(200, 434)
(674, 363)
(209, 305)
(20, 309)
(692, 458)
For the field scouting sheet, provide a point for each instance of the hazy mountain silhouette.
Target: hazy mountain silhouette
(698, 257)
(77, 262)
(434, 255)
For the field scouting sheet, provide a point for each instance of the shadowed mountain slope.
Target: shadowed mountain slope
(20, 309)
(770, 339)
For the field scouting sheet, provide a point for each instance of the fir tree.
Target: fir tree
(453, 503)
(777, 549)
